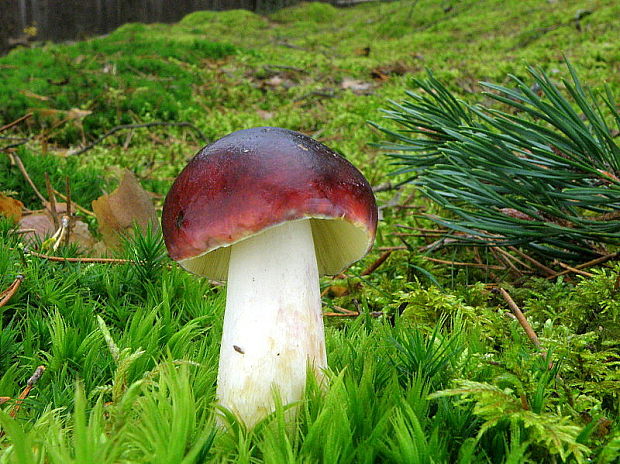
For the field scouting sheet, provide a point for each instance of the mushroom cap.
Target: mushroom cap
(258, 178)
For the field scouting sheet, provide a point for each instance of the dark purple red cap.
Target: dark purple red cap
(258, 178)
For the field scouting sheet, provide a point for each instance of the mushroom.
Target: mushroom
(269, 210)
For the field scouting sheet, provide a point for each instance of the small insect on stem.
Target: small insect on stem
(238, 349)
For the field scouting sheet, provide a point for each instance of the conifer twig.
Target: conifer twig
(520, 317)
(593, 262)
(17, 121)
(574, 269)
(7, 294)
(458, 263)
(80, 260)
(34, 378)
(22, 169)
(378, 262)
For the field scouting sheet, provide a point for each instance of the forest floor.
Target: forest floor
(428, 362)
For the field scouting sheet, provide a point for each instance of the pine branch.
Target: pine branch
(540, 169)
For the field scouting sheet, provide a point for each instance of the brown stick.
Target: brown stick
(457, 263)
(52, 197)
(587, 264)
(29, 385)
(69, 215)
(536, 263)
(21, 167)
(345, 310)
(7, 294)
(78, 207)
(393, 248)
(513, 258)
(520, 317)
(17, 121)
(575, 270)
(353, 314)
(380, 260)
(502, 259)
(80, 260)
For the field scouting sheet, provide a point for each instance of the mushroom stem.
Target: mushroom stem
(273, 326)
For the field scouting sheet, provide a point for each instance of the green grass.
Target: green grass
(131, 350)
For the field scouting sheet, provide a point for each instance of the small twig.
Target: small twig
(520, 317)
(422, 234)
(502, 259)
(394, 248)
(80, 260)
(513, 258)
(17, 121)
(116, 129)
(78, 207)
(594, 262)
(353, 314)
(344, 310)
(456, 263)
(539, 265)
(22, 169)
(575, 270)
(7, 294)
(69, 215)
(52, 197)
(378, 262)
(29, 385)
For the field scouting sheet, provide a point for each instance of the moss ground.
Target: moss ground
(131, 350)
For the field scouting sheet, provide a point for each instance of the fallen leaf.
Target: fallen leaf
(39, 226)
(10, 207)
(335, 291)
(383, 73)
(117, 212)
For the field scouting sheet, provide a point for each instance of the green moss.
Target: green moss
(376, 407)
(313, 12)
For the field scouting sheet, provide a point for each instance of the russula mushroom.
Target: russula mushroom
(268, 210)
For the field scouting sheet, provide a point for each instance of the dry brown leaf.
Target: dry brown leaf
(117, 212)
(10, 207)
(39, 225)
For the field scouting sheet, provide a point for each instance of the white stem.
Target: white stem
(273, 326)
